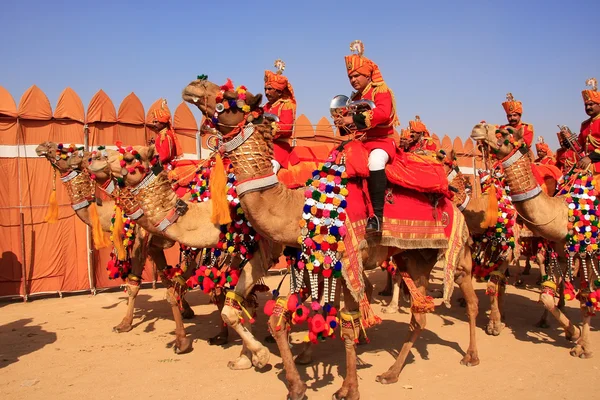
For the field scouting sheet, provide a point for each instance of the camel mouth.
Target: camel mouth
(478, 134)
(189, 96)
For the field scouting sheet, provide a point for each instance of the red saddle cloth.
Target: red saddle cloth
(546, 176)
(182, 174)
(302, 162)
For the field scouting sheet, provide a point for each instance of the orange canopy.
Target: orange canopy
(34, 105)
(69, 106)
(7, 104)
(101, 109)
(131, 110)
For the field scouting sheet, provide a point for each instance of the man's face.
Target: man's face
(358, 82)
(542, 153)
(272, 94)
(513, 119)
(157, 126)
(592, 109)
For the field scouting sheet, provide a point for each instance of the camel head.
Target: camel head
(223, 106)
(98, 164)
(58, 155)
(501, 142)
(131, 164)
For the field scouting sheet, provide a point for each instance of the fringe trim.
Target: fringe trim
(117, 232)
(367, 315)
(218, 190)
(97, 232)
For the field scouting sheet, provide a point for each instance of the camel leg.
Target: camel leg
(547, 299)
(464, 279)
(389, 282)
(392, 308)
(223, 336)
(183, 343)
(583, 348)
(138, 259)
(188, 312)
(253, 352)
(496, 287)
(350, 332)
(418, 320)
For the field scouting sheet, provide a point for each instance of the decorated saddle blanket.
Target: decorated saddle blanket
(547, 177)
(302, 161)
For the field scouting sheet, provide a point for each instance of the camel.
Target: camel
(545, 216)
(145, 243)
(275, 211)
(192, 227)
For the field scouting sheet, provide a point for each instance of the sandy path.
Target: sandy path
(64, 348)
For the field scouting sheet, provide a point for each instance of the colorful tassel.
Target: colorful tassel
(218, 189)
(117, 233)
(97, 233)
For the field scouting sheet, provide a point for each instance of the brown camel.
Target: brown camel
(193, 228)
(545, 216)
(81, 185)
(274, 212)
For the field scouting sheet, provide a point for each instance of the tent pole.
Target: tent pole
(23, 260)
(198, 146)
(88, 232)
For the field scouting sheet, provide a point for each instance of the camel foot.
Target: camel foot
(303, 358)
(494, 329)
(391, 309)
(346, 393)
(385, 292)
(462, 302)
(240, 363)
(261, 358)
(297, 393)
(573, 337)
(183, 346)
(123, 327)
(187, 313)
(542, 323)
(579, 351)
(387, 378)
(470, 360)
(218, 340)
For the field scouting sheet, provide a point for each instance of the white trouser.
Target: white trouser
(276, 166)
(378, 158)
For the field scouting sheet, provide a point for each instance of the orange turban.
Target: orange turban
(162, 113)
(279, 82)
(511, 105)
(418, 126)
(593, 94)
(405, 133)
(362, 65)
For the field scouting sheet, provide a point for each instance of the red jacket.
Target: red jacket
(285, 109)
(589, 137)
(527, 131)
(380, 121)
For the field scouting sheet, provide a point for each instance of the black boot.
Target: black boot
(377, 187)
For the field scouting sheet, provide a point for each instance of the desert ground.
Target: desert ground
(64, 348)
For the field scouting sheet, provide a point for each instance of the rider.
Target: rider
(589, 136)
(166, 142)
(376, 125)
(544, 153)
(514, 110)
(566, 158)
(281, 102)
(417, 137)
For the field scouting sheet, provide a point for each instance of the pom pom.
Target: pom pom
(269, 307)
(292, 303)
(315, 306)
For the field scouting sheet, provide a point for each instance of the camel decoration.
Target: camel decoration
(86, 201)
(547, 217)
(190, 224)
(275, 212)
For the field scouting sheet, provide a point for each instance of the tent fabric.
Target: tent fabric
(34, 105)
(303, 128)
(69, 106)
(101, 109)
(8, 108)
(9, 132)
(185, 127)
(131, 110)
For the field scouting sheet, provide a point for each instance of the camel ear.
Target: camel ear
(253, 101)
(453, 155)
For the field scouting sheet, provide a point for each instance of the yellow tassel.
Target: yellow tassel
(218, 194)
(492, 209)
(52, 214)
(117, 237)
(97, 233)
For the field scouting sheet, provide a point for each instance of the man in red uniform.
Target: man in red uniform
(566, 158)
(166, 143)
(514, 110)
(589, 136)
(544, 153)
(376, 125)
(281, 102)
(417, 137)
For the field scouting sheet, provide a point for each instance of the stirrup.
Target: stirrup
(373, 224)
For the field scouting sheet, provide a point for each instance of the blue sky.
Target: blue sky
(451, 62)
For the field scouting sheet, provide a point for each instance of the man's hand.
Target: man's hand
(343, 121)
(584, 163)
